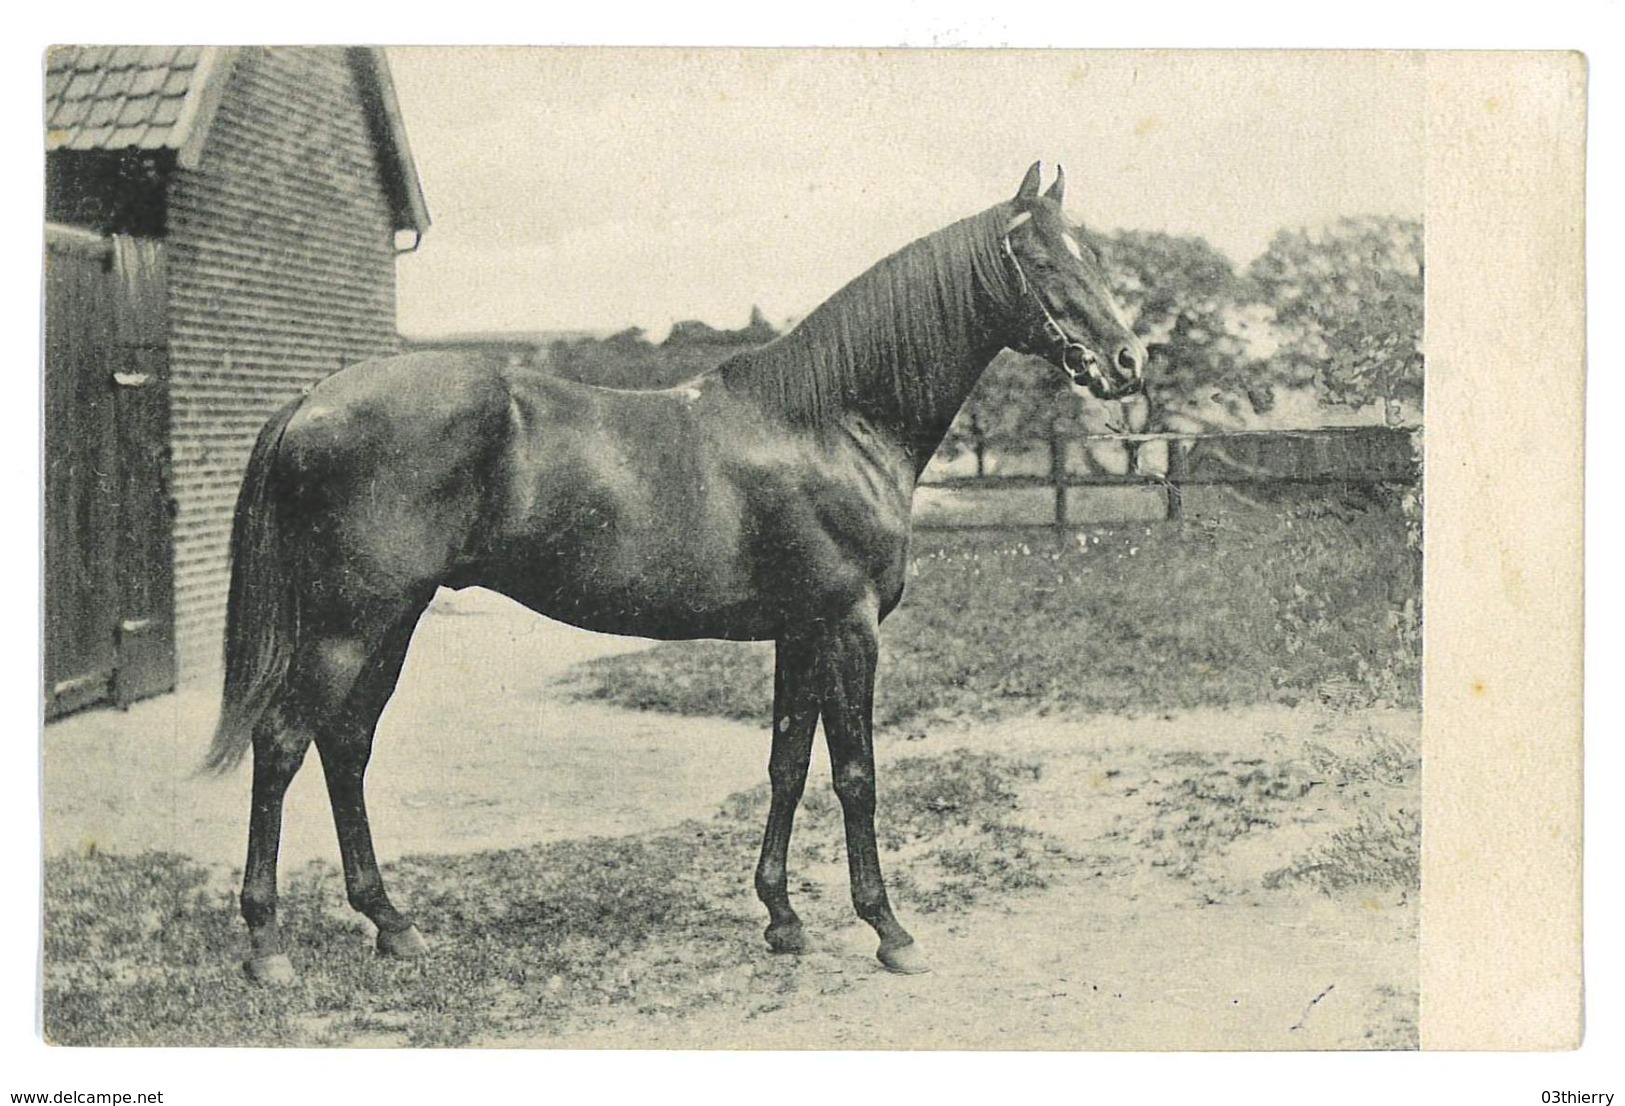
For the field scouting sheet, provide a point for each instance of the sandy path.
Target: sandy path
(1061, 971)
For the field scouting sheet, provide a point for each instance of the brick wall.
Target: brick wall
(282, 271)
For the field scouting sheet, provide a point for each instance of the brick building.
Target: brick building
(222, 229)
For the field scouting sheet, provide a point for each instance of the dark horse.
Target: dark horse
(767, 499)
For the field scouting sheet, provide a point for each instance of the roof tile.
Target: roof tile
(68, 113)
(137, 110)
(102, 113)
(83, 85)
(123, 95)
(116, 83)
(124, 137)
(166, 111)
(147, 81)
(91, 138)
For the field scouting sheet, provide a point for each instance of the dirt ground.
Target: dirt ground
(1146, 947)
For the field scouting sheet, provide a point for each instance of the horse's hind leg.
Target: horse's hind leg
(795, 718)
(279, 750)
(345, 746)
(335, 693)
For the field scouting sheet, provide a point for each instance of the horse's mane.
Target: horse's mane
(881, 341)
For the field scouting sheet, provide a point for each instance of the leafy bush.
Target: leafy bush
(1347, 299)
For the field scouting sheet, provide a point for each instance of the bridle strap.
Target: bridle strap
(1053, 329)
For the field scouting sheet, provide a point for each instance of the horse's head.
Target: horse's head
(1065, 312)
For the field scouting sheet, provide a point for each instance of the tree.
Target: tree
(1347, 301)
(1186, 301)
(628, 359)
(693, 332)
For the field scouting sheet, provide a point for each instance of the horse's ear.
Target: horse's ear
(1029, 185)
(1057, 191)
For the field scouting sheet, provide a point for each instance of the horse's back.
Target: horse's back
(395, 405)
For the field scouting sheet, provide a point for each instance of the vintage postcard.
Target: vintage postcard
(812, 549)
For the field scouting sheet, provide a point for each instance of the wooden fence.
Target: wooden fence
(1333, 456)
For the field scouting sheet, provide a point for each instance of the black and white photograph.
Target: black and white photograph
(609, 548)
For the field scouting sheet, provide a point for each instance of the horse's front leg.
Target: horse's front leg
(847, 652)
(795, 719)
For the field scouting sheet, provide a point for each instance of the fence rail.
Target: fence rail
(1335, 456)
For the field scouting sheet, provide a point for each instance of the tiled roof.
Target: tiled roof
(116, 97)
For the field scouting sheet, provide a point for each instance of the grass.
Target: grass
(1378, 851)
(1208, 802)
(1302, 601)
(1379, 775)
(1358, 784)
(144, 949)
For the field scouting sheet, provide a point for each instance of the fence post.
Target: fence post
(978, 440)
(1175, 477)
(1057, 477)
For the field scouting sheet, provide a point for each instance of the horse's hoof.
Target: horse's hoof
(275, 969)
(786, 939)
(903, 959)
(404, 944)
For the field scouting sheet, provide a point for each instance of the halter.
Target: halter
(1052, 329)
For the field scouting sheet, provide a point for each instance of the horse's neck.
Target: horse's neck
(901, 347)
(921, 434)
(939, 389)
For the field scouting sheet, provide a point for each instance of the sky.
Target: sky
(598, 189)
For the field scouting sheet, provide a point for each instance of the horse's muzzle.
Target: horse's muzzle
(1083, 367)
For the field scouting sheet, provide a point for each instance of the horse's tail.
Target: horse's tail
(261, 606)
